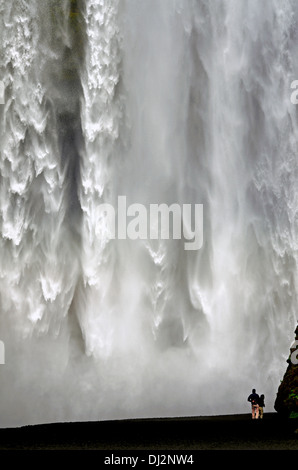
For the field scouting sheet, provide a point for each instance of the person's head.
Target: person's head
(253, 390)
(262, 396)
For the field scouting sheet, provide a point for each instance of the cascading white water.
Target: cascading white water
(162, 101)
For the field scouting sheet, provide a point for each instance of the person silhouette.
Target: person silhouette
(261, 406)
(254, 400)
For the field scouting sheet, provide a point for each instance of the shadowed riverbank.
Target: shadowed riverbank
(232, 432)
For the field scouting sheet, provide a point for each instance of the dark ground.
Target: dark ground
(232, 432)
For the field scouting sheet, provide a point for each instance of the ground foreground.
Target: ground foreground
(232, 432)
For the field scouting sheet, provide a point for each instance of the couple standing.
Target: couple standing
(257, 404)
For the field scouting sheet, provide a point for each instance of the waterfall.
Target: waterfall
(163, 102)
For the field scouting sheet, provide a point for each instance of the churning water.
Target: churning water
(161, 101)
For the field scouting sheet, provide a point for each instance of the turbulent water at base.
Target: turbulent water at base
(162, 101)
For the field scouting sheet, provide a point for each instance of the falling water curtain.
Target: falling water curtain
(160, 102)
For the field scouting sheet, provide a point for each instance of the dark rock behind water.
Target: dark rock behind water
(286, 402)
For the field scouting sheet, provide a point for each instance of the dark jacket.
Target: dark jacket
(253, 398)
(261, 402)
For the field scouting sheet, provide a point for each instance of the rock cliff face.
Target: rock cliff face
(286, 401)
